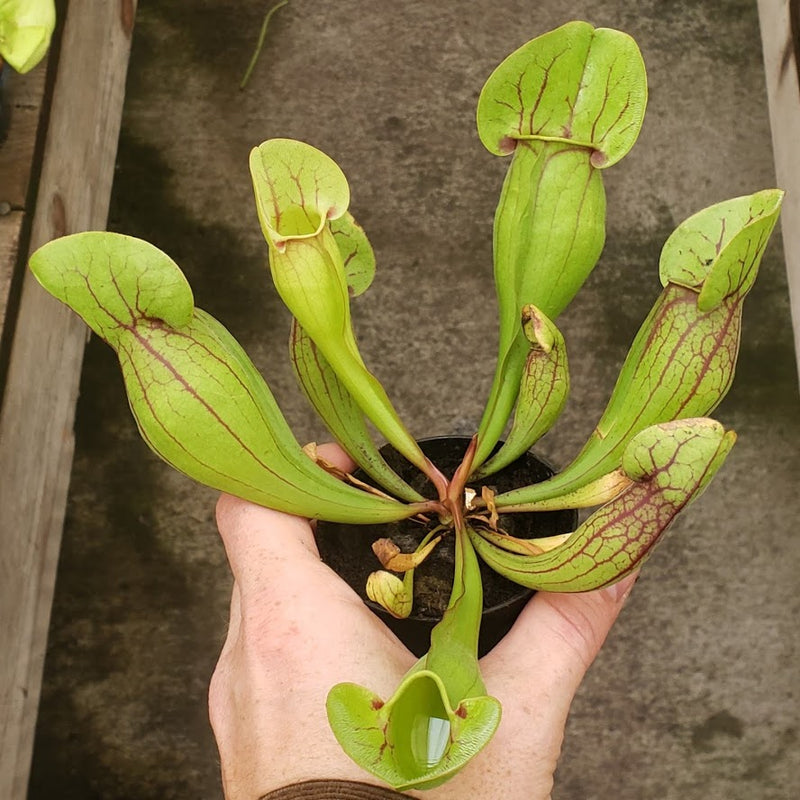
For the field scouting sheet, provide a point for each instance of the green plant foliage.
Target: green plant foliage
(576, 84)
(262, 34)
(319, 381)
(298, 190)
(198, 401)
(567, 105)
(440, 716)
(717, 251)
(669, 465)
(341, 414)
(543, 390)
(682, 361)
(356, 252)
(392, 594)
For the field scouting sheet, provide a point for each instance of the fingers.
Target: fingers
(286, 602)
(234, 621)
(259, 540)
(333, 453)
(557, 637)
(255, 537)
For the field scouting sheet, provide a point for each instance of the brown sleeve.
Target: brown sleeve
(333, 790)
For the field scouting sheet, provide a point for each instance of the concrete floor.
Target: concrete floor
(695, 695)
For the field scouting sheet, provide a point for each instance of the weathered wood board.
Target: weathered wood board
(25, 95)
(780, 34)
(38, 404)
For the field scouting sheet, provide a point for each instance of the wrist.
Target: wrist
(333, 790)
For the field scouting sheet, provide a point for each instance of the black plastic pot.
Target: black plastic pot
(347, 548)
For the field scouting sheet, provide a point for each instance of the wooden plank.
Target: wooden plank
(24, 99)
(26, 91)
(16, 156)
(10, 226)
(36, 419)
(779, 38)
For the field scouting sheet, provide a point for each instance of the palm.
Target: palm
(297, 629)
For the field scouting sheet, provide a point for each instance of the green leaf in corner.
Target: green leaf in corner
(26, 27)
(198, 400)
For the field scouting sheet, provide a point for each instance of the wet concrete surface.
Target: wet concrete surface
(695, 695)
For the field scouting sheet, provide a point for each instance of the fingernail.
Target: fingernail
(619, 591)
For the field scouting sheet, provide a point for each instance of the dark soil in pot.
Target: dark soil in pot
(347, 548)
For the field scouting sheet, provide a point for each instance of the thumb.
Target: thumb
(261, 541)
(555, 640)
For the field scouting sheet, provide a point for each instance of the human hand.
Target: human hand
(296, 629)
